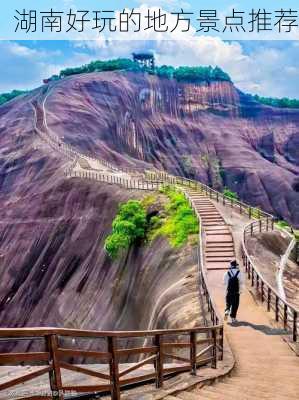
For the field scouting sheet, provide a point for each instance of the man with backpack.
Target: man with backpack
(233, 280)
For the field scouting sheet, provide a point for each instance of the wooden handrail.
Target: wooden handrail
(54, 357)
(250, 211)
(13, 333)
(282, 308)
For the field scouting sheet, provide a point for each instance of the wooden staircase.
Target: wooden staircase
(219, 245)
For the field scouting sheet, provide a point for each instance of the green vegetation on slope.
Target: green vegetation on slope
(274, 102)
(128, 226)
(230, 194)
(181, 74)
(133, 223)
(180, 220)
(4, 97)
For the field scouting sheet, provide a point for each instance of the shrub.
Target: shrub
(275, 102)
(4, 97)
(181, 74)
(128, 226)
(230, 194)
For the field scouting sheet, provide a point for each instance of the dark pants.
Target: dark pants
(232, 303)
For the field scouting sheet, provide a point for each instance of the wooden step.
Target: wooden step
(219, 239)
(211, 245)
(217, 231)
(219, 254)
(219, 259)
(209, 217)
(216, 228)
(211, 265)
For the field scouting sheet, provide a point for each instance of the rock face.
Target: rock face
(54, 270)
(53, 267)
(211, 132)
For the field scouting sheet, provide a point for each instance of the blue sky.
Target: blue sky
(269, 68)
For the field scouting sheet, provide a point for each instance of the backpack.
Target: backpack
(233, 283)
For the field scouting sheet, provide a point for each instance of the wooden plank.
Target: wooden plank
(13, 358)
(180, 368)
(204, 361)
(83, 370)
(87, 389)
(25, 333)
(137, 365)
(204, 351)
(136, 379)
(82, 353)
(181, 345)
(137, 350)
(24, 378)
(175, 357)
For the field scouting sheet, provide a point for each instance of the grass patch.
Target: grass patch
(179, 219)
(144, 220)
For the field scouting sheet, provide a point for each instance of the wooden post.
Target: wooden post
(295, 326)
(252, 277)
(114, 372)
(260, 223)
(249, 212)
(55, 374)
(277, 308)
(221, 343)
(159, 362)
(285, 316)
(193, 353)
(262, 291)
(251, 229)
(269, 299)
(214, 349)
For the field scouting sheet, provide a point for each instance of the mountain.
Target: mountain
(211, 132)
(53, 268)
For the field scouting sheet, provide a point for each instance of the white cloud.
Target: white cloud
(267, 69)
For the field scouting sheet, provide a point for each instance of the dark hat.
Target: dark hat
(234, 264)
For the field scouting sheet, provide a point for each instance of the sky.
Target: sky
(264, 67)
(267, 68)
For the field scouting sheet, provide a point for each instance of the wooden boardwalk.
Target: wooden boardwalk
(266, 368)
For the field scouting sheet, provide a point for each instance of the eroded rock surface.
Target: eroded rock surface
(211, 132)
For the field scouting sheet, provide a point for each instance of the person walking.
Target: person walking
(233, 281)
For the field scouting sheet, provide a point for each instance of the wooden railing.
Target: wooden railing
(283, 310)
(243, 208)
(108, 376)
(126, 182)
